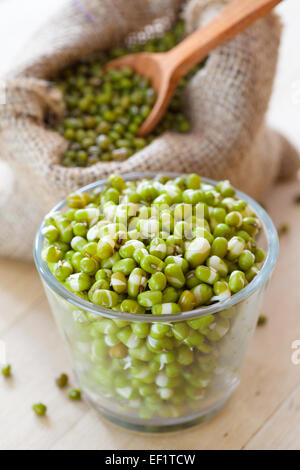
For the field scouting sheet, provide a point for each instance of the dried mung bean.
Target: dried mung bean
(6, 371)
(62, 380)
(74, 394)
(40, 409)
(262, 320)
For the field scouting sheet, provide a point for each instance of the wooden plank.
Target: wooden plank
(282, 430)
(20, 288)
(37, 355)
(249, 407)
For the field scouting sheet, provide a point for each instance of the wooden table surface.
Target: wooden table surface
(263, 413)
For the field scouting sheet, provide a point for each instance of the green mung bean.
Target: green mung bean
(139, 258)
(104, 109)
(40, 409)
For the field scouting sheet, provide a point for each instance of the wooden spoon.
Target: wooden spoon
(166, 69)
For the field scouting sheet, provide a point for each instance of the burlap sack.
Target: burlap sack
(226, 102)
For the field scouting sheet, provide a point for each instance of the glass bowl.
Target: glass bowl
(179, 379)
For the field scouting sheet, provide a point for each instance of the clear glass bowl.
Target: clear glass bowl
(167, 383)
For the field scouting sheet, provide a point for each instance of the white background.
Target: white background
(20, 18)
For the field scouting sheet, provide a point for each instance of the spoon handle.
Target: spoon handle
(234, 18)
